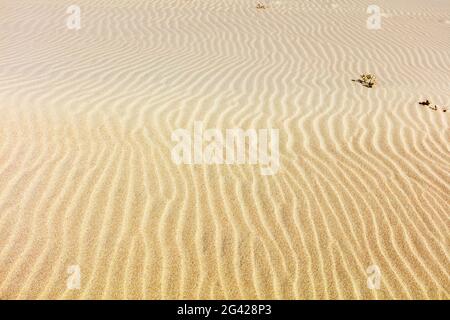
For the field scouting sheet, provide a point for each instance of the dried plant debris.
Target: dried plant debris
(425, 103)
(261, 6)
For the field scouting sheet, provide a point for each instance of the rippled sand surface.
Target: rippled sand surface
(87, 179)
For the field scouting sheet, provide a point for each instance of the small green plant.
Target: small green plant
(428, 104)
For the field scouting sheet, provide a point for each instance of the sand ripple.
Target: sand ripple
(86, 176)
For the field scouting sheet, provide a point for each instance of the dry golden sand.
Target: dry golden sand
(86, 176)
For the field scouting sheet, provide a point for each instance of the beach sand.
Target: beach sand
(87, 178)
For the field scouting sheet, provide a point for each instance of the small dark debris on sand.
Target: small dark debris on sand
(434, 108)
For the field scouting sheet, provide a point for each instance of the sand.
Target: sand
(87, 179)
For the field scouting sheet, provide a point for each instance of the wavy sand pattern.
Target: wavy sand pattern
(86, 176)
